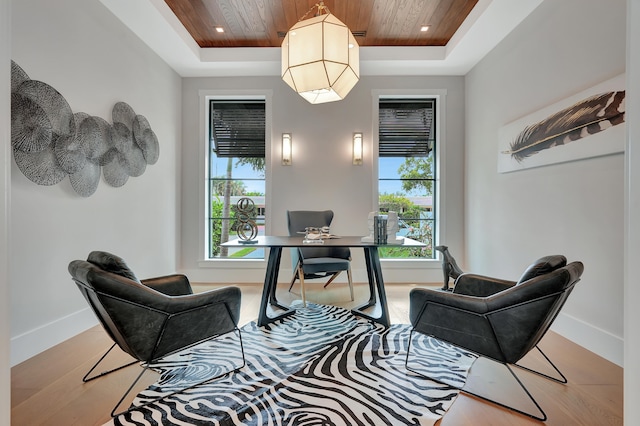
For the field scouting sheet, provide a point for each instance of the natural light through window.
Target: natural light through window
(236, 169)
(406, 171)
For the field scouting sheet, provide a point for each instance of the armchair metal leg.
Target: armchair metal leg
(146, 367)
(542, 416)
(86, 377)
(562, 378)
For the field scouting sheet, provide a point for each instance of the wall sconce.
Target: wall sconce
(286, 149)
(357, 149)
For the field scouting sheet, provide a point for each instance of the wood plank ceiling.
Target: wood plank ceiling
(263, 23)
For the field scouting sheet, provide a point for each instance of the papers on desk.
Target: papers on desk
(313, 242)
(320, 236)
(316, 237)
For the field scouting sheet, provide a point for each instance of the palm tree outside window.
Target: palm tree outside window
(236, 169)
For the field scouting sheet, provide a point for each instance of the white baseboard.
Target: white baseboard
(38, 340)
(598, 341)
(42, 338)
(418, 273)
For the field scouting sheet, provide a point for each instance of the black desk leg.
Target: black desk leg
(273, 271)
(269, 289)
(376, 284)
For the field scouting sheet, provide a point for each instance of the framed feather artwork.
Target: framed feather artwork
(588, 124)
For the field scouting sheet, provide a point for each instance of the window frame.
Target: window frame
(439, 168)
(205, 96)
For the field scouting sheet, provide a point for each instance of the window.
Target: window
(406, 170)
(236, 169)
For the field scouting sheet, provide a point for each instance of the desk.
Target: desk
(372, 262)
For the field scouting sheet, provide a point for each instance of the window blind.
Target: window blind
(238, 128)
(406, 127)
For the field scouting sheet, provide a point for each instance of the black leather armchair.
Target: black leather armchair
(498, 319)
(152, 318)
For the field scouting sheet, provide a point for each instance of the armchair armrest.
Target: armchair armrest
(480, 285)
(231, 296)
(171, 285)
(419, 298)
(193, 318)
(455, 318)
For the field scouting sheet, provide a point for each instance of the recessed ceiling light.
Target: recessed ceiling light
(424, 28)
(219, 29)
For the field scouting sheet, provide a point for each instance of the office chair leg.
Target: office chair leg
(146, 367)
(297, 272)
(542, 417)
(301, 277)
(293, 280)
(86, 377)
(349, 279)
(333, 277)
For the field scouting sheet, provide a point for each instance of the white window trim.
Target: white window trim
(204, 97)
(439, 235)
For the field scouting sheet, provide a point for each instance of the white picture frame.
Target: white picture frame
(607, 140)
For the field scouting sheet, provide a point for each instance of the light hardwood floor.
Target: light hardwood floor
(48, 390)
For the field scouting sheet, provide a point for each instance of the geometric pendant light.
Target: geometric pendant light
(320, 58)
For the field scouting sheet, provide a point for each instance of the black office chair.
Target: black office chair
(152, 318)
(499, 319)
(316, 262)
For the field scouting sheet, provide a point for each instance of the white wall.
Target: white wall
(86, 54)
(632, 225)
(5, 191)
(576, 208)
(321, 175)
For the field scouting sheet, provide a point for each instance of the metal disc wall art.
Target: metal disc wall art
(31, 129)
(88, 135)
(90, 140)
(115, 171)
(40, 167)
(106, 147)
(123, 113)
(69, 153)
(54, 105)
(146, 139)
(17, 76)
(50, 142)
(136, 162)
(85, 181)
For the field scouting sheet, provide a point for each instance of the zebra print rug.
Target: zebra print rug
(321, 366)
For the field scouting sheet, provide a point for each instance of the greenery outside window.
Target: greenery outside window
(236, 169)
(406, 171)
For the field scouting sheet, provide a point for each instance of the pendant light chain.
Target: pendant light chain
(321, 8)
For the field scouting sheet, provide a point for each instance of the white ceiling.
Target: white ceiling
(488, 23)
